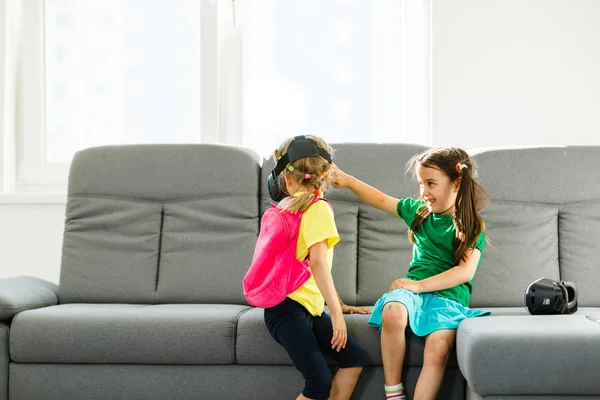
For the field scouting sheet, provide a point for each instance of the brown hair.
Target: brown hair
(318, 168)
(470, 200)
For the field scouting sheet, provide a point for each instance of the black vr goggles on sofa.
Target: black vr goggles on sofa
(300, 147)
(546, 296)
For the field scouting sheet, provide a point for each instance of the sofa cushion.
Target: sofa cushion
(524, 248)
(507, 311)
(150, 223)
(24, 293)
(550, 175)
(579, 228)
(254, 345)
(110, 250)
(206, 248)
(592, 313)
(120, 333)
(535, 355)
(545, 212)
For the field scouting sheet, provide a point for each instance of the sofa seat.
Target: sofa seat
(530, 355)
(256, 346)
(126, 333)
(592, 313)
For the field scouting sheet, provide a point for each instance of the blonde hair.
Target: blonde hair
(320, 175)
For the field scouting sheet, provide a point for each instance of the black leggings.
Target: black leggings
(307, 339)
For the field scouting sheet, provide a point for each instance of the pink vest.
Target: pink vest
(275, 271)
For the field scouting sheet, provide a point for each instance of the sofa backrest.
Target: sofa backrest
(178, 223)
(159, 224)
(543, 220)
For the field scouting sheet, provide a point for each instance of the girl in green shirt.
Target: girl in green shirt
(449, 237)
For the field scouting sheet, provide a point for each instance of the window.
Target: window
(341, 69)
(107, 72)
(191, 71)
(118, 72)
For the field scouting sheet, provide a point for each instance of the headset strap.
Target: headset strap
(298, 149)
(560, 305)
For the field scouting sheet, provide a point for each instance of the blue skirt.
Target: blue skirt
(427, 312)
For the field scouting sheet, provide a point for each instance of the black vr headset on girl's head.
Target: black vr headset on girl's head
(300, 147)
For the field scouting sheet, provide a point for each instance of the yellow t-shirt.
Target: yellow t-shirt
(317, 225)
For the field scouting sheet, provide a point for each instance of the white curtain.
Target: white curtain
(230, 73)
(10, 37)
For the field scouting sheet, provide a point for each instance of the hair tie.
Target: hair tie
(307, 176)
(291, 168)
(460, 167)
(317, 193)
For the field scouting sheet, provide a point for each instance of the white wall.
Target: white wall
(505, 72)
(31, 240)
(515, 72)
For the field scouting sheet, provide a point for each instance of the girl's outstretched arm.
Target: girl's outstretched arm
(346, 309)
(366, 193)
(322, 274)
(461, 273)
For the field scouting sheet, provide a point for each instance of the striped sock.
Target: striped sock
(395, 392)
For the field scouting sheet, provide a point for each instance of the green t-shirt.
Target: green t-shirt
(433, 251)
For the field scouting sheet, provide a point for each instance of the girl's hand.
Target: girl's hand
(340, 335)
(340, 178)
(354, 310)
(410, 285)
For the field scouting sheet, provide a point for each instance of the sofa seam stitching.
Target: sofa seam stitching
(236, 320)
(152, 201)
(560, 269)
(579, 203)
(159, 258)
(357, 254)
(19, 306)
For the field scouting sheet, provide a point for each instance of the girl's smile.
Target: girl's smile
(437, 190)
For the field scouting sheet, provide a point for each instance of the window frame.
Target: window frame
(34, 174)
(23, 168)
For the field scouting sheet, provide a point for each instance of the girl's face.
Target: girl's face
(438, 191)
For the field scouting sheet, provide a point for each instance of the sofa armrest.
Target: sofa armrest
(25, 293)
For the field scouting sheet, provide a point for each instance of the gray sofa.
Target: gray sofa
(158, 238)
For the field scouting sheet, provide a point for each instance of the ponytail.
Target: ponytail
(471, 198)
(294, 204)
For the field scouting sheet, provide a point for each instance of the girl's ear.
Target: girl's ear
(457, 183)
(288, 179)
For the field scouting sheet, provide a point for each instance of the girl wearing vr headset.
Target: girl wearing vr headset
(299, 323)
(449, 236)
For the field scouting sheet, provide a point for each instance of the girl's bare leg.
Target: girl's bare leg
(344, 382)
(393, 341)
(435, 357)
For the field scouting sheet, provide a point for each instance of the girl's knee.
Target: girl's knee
(437, 352)
(318, 387)
(394, 316)
(361, 358)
